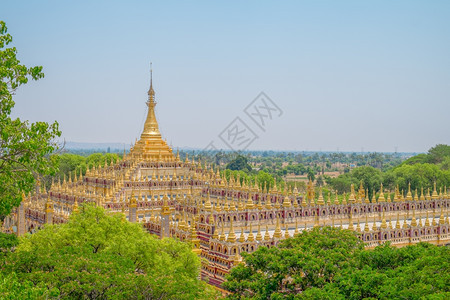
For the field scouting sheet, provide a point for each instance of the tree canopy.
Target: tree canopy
(24, 146)
(421, 171)
(330, 263)
(240, 163)
(103, 256)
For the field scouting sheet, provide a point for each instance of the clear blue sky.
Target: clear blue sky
(347, 74)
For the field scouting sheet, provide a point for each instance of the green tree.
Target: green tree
(240, 163)
(69, 164)
(310, 259)
(265, 179)
(310, 174)
(319, 181)
(419, 175)
(24, 147)
(101, 256)
(12, 288)
(329, 263)
(420, 271)
(417, 159)
(438, 153)
(370, 177)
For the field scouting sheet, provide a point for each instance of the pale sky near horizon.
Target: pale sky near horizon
(347, 75)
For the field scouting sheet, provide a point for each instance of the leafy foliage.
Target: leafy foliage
(329, 263)
(12, 288)
(239, 163)
(369, 176)
(8, 241)
(100, 256)
(71, 163)
(421, 171)
(24, 146)
(419, 175)
(438, 153)
(311, 259)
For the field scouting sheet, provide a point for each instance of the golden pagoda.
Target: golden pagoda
(151, 146)
(196, 204)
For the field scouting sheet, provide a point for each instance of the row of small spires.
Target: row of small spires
(242, 205)
(398, 196)
(385, 225)
(220, 180)
(207, 205)
(249, 204)
(354, 197)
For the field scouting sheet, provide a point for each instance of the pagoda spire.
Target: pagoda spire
(151, 125)
(151, 92)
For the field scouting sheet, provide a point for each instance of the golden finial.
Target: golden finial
(215, 234)
(435, 194)
(286, 201)
(409, 194)
(259, 235)
(211, 219)
(250, 236)
(277, 233)
(268, 203)
(267, 235)
(208, 206)
(441, 217)
(231, 234)
(433, 219)
(304, 203)
(249, 204)
(413, 220)
(242, 237)
(427, 221)
(366, 226)
(352, 198)
(405, 223)
(381, 197)
(151, 92)
(260, 206)
(320, 200)
(397, 222)
(383, 222)
(222, 234)
(75, 206)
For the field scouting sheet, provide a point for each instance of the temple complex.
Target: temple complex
(222, 218)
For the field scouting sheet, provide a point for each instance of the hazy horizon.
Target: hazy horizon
(119, 147)
(345, 76)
